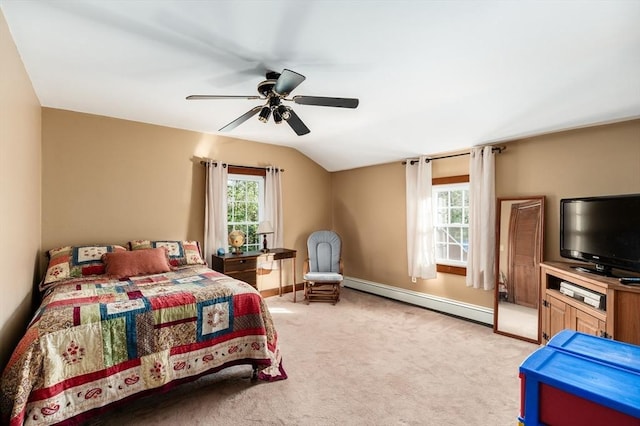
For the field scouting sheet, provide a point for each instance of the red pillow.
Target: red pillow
(127, 264)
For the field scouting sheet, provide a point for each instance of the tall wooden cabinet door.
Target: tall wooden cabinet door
(556, 315)
(588, 324)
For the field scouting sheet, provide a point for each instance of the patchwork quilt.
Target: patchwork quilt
(95, 341)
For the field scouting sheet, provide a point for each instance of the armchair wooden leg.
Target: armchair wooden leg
(322, 292)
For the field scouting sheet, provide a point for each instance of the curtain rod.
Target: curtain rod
(412, 161)
(215, 164)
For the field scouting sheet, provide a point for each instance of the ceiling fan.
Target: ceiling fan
(274, 90)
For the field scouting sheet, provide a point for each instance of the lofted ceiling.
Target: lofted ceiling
(432, 76)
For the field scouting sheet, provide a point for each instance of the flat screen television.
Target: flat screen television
(604, 231)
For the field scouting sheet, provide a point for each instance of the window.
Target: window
(451, 223)
(245, 203)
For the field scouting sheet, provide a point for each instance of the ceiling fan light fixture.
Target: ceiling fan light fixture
(284, 112)
(274, 101)
(277, 117)
(265, 112)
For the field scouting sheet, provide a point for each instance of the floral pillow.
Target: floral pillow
(77, 261)
(180, 252)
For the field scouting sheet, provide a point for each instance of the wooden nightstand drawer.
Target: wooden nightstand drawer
(247, 276)
(234, 265)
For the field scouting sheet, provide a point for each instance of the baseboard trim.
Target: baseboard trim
(452, 307)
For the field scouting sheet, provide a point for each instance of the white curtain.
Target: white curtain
(482, 218)
(273, 206)
(215, 209)
(420, 239)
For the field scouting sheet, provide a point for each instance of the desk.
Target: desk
(244, 266)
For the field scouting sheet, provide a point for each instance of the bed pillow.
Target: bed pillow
(77, 261)
(127, 264)
(180, 252)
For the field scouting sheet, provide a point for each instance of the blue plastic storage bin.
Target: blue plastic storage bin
(578, 379)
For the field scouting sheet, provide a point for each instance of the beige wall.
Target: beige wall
(598, 160)
(369, 213)
(111, 180)
(19, 193)
(369, 203)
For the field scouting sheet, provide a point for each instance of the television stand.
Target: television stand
(618, 319)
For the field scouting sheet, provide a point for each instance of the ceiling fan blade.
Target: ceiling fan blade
(244, 117)
(296, 124)
(202, 97)
(288, 81)
(323, 101)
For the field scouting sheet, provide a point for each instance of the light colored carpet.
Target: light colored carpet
(518, 320)
(365, 361)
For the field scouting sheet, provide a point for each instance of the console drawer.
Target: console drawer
(247, 276)
(236, 265)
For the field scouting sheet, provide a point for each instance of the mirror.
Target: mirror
(519, 244)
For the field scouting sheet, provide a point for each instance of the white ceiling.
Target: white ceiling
(432, 76)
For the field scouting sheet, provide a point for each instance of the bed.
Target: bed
(104, 335)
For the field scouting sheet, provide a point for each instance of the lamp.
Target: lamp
(264, 228)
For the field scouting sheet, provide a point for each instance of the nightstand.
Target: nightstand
(244, 267)
(239, 266)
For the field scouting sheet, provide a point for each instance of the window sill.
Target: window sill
(455, 270)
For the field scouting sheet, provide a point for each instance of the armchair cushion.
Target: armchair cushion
(324, 251)
(322, 277)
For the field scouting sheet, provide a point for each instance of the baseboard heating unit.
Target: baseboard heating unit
(467, 311)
